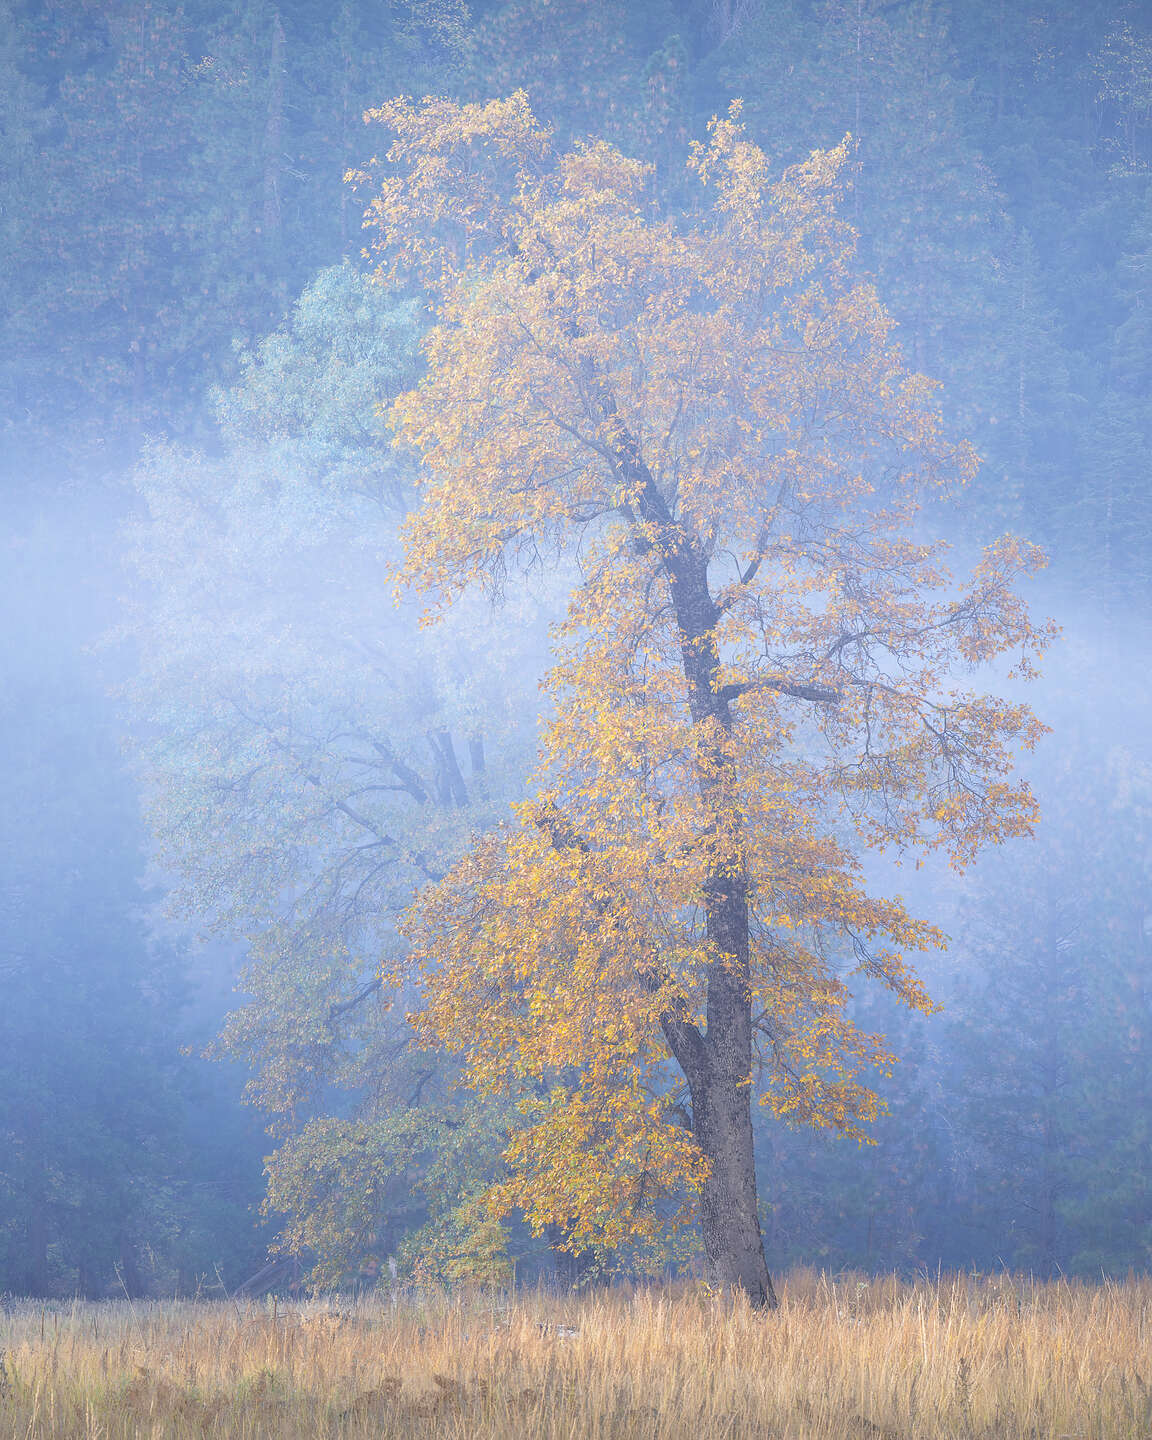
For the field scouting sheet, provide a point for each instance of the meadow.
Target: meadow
(844, 1358)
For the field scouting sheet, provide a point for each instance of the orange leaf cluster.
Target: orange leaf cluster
(758, 665)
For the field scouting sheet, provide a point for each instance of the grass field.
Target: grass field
(844, 1358)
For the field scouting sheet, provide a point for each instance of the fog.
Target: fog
(233, 756)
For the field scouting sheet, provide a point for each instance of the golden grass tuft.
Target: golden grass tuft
(961, 1358)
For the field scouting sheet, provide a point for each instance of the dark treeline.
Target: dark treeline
(179, 253)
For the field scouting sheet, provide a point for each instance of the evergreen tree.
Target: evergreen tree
(1052, 1032)
(25, 121)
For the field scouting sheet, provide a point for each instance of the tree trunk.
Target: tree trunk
(574, 1268)
(717, 1062)
(273, 159)
(730, 1221)
(721, 1088)
(450, 787)
(128, 1268)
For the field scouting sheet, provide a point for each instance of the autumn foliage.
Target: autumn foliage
(757, 673)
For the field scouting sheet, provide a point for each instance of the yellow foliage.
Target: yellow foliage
(756, 668)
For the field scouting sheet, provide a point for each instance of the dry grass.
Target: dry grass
(844, 1359)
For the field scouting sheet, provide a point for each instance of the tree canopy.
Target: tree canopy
(756, 665)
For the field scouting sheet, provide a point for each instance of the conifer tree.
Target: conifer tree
(1051, 1028)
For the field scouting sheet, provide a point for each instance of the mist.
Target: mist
(234, 755)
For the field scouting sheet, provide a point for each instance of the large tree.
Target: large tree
(754, 670)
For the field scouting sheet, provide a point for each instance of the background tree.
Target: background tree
(755, 644)
(311, 762)
(1051, 1044)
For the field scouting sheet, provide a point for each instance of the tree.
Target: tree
(170, 176)
(310, 761)
(932, 224)
(1124, 71)
(24, 123)
(754, 669)
(138, 235)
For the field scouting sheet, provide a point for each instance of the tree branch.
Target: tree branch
(820, 694)
(335, 1011)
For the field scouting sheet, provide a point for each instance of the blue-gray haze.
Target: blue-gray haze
(182, 314)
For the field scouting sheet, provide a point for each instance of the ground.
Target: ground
(844, 1358)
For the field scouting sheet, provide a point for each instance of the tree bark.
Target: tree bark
(717, 1061)
(131, 1280)
(730, 1220)
(450, 787)
(574, 1268)
(273, 157)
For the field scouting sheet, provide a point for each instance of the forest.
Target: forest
(412, 695)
